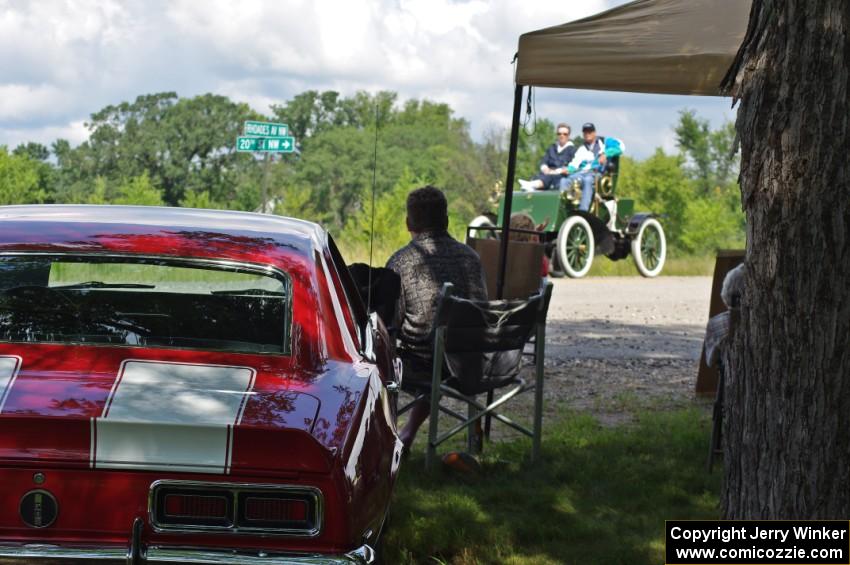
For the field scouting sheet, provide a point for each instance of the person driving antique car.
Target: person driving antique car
(591, 160)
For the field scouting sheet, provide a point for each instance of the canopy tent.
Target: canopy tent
(659, 46)
(653, 46)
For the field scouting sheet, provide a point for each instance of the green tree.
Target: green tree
(182, 144)
(35, 151)
(336, 167)
(494, 162)
(40, 155)
(337, 162)
(199, 199)
(311, 112)
(710, 225)
(695, 223)
(659, 184)
(531, 145)
(709, 153)
(20, 179)
(138, 191)
(97, 194)
(390, 230)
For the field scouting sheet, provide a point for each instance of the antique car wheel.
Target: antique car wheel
(649, 248)
(575, 247)
(482, 221)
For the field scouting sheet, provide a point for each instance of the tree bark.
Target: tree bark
(787, 420)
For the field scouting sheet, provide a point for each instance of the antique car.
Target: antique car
(573, 237)
(188, 386)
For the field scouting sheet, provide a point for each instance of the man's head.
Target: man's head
(588, 131)
(427, 210)
(563, 133)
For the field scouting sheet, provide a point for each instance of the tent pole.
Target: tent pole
(509, 193)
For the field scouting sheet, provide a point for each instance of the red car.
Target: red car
(188, 386)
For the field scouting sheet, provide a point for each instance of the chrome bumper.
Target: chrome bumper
(62, 555)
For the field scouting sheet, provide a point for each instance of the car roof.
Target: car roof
(160, 216)
(68, 224)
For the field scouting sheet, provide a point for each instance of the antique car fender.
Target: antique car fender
(635, 221)
(602, 238)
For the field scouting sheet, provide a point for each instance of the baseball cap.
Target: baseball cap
(588, 126)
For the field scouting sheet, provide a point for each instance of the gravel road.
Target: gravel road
(618, 341)
(617, 344)
(628, 318)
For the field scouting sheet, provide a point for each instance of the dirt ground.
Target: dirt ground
(618, 341)
(616, 344)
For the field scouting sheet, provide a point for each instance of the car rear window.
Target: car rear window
(144, 302)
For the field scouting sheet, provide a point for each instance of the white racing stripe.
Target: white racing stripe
(9, 367)
(171, 416)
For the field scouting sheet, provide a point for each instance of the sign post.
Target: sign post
(266, 138)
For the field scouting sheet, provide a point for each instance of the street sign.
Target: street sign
(265, 129)
(285, 144)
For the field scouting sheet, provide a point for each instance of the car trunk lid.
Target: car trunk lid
(113, 408)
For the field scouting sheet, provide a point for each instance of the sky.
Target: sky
(62, 60)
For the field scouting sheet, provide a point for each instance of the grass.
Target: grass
(696, 266)
(166, 278)
(601, 495)
(354, 253)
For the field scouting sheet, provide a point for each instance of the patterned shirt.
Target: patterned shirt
(429, 260)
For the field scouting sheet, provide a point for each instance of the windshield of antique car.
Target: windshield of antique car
(145, 302)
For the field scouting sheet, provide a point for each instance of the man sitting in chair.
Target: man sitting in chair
(432, 258)
(590, 162)
(553, 165)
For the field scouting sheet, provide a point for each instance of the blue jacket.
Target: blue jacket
(587, 157)
(555, 160)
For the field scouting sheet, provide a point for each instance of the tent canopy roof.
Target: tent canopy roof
(659, 46)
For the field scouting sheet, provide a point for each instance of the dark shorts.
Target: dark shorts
(550, 182)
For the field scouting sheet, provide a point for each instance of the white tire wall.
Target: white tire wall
(649, 265)
(482, 221)
(575, 250)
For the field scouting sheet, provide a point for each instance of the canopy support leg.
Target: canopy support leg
(509, 194)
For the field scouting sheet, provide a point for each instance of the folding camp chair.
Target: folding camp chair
(482, 345)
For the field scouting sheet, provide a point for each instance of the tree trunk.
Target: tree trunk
(787, 423)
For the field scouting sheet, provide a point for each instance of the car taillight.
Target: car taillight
(195, 506)
(275, 510)
(269, 510)
(236, 507)
(179, 507)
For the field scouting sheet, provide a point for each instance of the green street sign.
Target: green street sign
(265, 129)
(285, 144)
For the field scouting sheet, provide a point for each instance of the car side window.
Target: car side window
(358, 309)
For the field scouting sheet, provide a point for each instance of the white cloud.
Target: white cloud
(63, 60)
(18, 100)
(74, 132)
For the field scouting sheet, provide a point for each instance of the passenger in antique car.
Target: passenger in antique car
(553, 165)
(432, 257)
